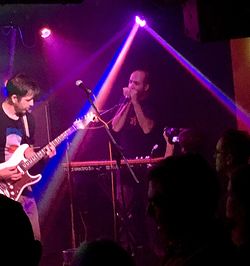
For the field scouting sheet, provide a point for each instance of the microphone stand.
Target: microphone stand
(118, 160)
(72, 211)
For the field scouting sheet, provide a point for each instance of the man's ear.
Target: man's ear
(147, 87)
(229, 159)
(14, 98)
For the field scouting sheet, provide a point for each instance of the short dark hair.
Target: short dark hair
(20, 84)
(241, 185)
(189, 183)
(237, 143)
(102, 251)
(18, 244)
(191, 140)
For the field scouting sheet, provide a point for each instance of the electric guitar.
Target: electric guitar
(13, 189)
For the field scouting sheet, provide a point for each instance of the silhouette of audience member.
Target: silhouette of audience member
(232, 151)
(183, 195)
(102, 252)
(191, 140)
(135, 127)
(238, 211)
(18, 245)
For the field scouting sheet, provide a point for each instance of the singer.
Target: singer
(134, 126)
(134, 121)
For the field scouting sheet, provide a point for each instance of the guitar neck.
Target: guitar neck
(40, 154)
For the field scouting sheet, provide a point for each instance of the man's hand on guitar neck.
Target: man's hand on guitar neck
(10, 173)
(50, 150)
(29, 152)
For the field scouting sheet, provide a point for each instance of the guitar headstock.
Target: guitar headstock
(82, 123)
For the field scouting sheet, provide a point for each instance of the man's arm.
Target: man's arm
(120, 118)
(169, 147)
(145, 123)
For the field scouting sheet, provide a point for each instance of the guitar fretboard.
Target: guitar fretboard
(26, 165)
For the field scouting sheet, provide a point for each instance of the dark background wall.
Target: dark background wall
(87, 36)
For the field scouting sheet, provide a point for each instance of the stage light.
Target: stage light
(45, 32)
(141, 22)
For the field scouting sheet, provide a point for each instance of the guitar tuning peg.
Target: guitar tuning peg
(91, 116)
(95, 119)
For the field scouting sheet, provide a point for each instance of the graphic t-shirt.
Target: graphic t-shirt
(133, 141)
(12, 134)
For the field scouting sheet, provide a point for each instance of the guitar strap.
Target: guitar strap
(27, 192)
(26, 128)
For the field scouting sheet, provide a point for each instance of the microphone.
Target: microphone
(126, 100)
(126, 92)
(155, 147)
(80, 84)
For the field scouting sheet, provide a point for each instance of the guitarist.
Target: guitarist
(17, 127)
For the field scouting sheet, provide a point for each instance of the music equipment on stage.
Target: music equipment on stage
(88, 166)
(13, 189)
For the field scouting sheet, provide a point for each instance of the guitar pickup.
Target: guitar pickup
(21, 168)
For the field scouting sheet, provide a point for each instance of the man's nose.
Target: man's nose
(32, 103)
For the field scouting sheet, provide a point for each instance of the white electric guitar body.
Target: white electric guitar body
(13, 189)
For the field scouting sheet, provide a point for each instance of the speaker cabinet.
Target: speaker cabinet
(42, 121)
(212, 20)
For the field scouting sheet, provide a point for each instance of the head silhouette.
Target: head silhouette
(102, 252)
(183, 195)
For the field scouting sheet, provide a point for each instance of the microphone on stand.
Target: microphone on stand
(126, 100)
(79, 83)
(155, 147)
(126, 93)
